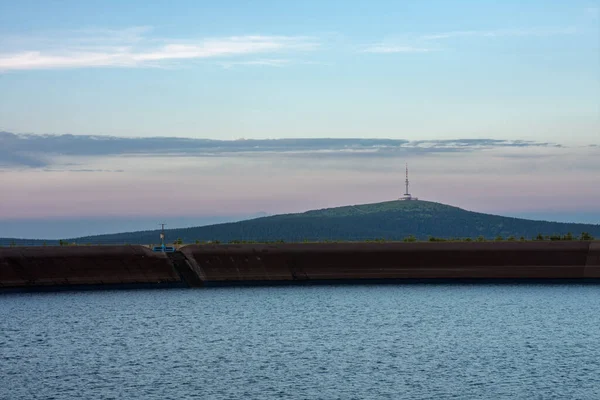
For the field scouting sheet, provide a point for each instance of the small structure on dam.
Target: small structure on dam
(162, 248)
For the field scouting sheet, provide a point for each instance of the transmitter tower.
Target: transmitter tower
(407, 196)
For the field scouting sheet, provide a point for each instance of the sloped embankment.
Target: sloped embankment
(85, 267)
(251, 264)
(100, 267)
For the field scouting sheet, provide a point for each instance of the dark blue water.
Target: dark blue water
(331, 342)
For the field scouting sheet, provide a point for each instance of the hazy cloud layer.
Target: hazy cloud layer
(24, 150)
(132, 47)
(112, 177)
(436, 41)
(539, 32)
(137, 47)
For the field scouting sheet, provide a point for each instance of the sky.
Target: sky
(115, 114)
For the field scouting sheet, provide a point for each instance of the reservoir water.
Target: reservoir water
(315, 342)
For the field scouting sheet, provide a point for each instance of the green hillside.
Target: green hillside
(393, 220)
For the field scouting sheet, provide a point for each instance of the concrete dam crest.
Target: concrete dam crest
(103, 267)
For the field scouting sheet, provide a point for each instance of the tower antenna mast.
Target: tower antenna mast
(407, 195)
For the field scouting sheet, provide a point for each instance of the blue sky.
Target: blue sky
(301, 69)
(225, 70)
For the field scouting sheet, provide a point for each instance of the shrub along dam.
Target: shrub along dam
(109, 267)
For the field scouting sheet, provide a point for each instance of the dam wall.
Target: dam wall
(81, 267)
(85, 267)
(248, 264)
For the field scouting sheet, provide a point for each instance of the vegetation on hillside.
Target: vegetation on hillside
(388, 221)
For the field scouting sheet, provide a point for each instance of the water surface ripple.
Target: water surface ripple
(324, 342)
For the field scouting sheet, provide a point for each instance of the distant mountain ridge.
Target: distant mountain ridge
(391, 220)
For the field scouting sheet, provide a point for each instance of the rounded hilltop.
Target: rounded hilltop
(418, 206)
(390, 220)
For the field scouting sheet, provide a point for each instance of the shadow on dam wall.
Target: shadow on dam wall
(51, 268)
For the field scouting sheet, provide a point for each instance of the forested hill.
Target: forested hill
(393, 220)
